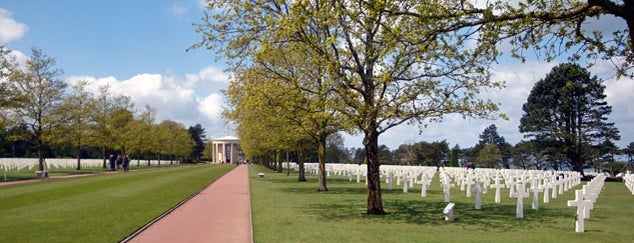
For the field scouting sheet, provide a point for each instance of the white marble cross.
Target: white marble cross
(469, 182)
(561, 183)
(535, 190)
(497, 185)
(424, 185)
(390, 180)
(478, 194)
(446, 188)
(520, 194)
(546, 186)
(582, 205)
(405, 183)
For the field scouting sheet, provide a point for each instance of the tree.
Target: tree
(489, 156)
(174, 139)
(299, 92)
(387, 68)
(567, 111)
(490, 136)
(197, 133)
(7, 65)
(453, 157)
(106, 106)
(629, 152)
(335, 150)
(74, 113)
(37, 92)
(527, 155)
(142, 138)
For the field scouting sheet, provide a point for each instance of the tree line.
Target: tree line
(45, 118)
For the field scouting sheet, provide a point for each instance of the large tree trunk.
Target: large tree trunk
(321, 153)
(40, 149)
(375, 203)
(300, 162)
(78, 156)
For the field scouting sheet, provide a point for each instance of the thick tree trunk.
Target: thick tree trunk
(300, 162)
(375, 202)
(78, 156)
(321, 153)
(40, 149)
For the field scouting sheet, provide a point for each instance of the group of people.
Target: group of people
(122, 162)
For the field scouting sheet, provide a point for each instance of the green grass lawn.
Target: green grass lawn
(26, 174)
(108, 207)
(99, 208)
(285, 210)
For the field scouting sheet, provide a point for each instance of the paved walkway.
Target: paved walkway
(219, 213)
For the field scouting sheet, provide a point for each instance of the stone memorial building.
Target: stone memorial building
(226, 150)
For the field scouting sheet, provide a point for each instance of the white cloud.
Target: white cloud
(10, 29)
(169, 96)
(177, 10)
(211, 106)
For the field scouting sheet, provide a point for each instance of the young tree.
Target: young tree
(37, 92)
(106, 106)
(74, 114)
(566, 110)
(387, 68)
(7, 65)
(489, 156)
(490, 136)
(141, 134)
(299, 90)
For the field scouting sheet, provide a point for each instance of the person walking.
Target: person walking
(126, 163)
(119, 161)
(111, 159)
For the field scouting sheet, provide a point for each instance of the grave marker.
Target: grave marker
(581, 205)
(520, 194)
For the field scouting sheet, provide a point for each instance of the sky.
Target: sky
(139, 49)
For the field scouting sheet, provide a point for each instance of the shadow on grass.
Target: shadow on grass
(491, 218)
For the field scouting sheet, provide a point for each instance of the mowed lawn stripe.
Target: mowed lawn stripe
(100, 208)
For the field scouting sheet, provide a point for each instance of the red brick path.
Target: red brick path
(219, 213)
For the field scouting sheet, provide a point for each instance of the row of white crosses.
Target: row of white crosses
(521, 184)
(585, 199)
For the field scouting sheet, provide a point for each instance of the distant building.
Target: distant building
(226, 150)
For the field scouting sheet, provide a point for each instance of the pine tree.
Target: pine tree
(566, 112)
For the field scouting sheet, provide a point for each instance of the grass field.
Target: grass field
(108, 207)
(285, 210)
(99, 208)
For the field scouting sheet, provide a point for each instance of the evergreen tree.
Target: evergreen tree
(490, 136)
(197, 134)
(566, 112)
(453, 158)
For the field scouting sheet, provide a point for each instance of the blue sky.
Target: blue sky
(138, 48)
